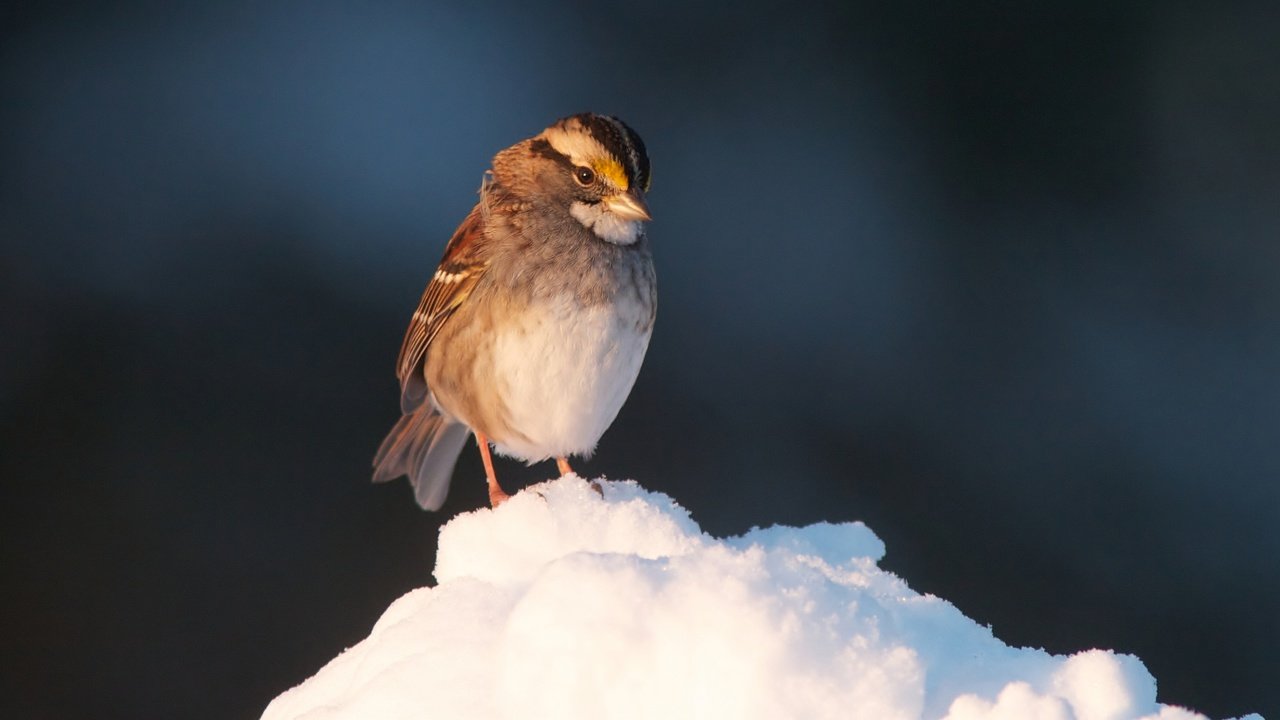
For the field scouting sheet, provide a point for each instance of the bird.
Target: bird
(532, 330)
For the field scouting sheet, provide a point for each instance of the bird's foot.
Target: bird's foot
(563, 464)
(497, 495)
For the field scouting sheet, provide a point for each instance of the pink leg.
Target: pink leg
(497, 495)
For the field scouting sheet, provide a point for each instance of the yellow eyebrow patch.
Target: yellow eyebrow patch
(576, 144)
(611, 170)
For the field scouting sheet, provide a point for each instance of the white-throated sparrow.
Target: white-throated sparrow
(532, 330)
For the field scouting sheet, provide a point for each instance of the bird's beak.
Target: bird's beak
(629, 205)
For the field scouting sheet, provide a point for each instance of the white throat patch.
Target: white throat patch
(607, 226)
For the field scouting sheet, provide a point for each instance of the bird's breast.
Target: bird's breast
(563, 371)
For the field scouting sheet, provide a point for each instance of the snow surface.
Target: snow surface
(563, 604)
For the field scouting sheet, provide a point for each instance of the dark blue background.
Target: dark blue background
(1000, 282)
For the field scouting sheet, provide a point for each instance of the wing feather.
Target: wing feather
(460, 269)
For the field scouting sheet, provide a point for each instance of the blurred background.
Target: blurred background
(1000, 282)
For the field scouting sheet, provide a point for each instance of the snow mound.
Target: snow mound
(565, 604)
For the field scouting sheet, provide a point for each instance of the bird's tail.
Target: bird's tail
(424, 445)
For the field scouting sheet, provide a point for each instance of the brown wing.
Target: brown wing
(460, 268)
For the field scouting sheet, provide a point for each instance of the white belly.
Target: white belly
(563, 373)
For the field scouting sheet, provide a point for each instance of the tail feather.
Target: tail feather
(423, 445)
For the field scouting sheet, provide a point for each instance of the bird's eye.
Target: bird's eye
(584, 175)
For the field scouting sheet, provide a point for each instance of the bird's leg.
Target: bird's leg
(563, 464)
(497, 495)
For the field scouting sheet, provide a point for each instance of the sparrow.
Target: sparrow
(532, 330)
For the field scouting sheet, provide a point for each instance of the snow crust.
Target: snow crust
(565, 604)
